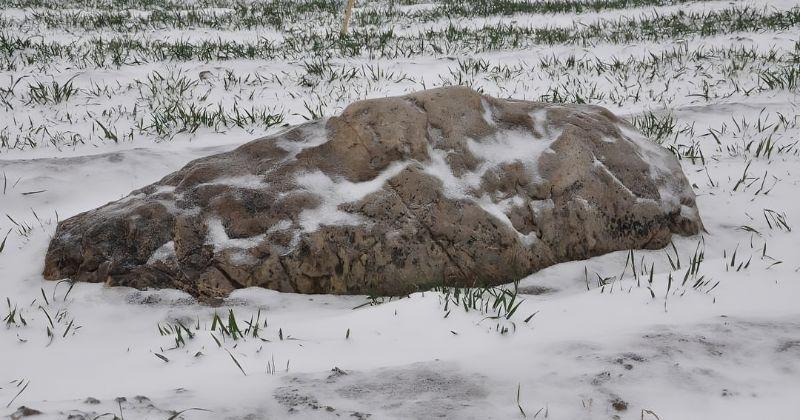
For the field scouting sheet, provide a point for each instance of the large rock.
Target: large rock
(444, 186)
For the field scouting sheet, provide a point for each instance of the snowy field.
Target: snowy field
(101, 97)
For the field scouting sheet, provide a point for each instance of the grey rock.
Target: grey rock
(395, 195)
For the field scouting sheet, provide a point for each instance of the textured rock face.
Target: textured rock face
(392, 196)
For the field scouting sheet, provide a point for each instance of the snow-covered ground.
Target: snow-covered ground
(706, 329)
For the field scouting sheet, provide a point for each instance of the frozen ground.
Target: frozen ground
(707, 329)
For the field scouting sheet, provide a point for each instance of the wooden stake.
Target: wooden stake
(348, 11)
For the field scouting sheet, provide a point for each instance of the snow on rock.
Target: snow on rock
(394, 195)
(333, 194)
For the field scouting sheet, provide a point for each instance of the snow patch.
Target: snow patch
(688, 212)
(248, 181)
(163, 253)
(284, 224)
(509, 146)
(162, 189)
(334, 192)
(514, 145)
(601, 166)
(500, 211)
(313, 136)
(487, 113)
(654, 155)
(504, 147)
(453, 186)
(218, 238)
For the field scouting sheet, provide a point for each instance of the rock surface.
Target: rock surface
(444, 186)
